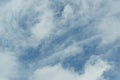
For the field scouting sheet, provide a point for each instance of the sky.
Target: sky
(59, 39)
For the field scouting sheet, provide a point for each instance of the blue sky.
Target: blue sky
(59, 39)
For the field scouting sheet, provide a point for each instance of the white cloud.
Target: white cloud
(93, 70)
(14, 10)
(10, 31)
(109, 26)
(70, 50)
(60, 54)
(110, 29)
(44, 28)
(80, 10)
(8, 65)
(68, 13)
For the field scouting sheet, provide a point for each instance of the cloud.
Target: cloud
(93, 70)
(68, 13)
(109, 25)
(50, 27)
(46, 25)
(8, 66)
(18, 16)
(110, 30)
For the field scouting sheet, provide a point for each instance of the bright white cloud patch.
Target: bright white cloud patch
(109, 25)
(110, 30)
(93, 70)
(8, 65)
(68, 13)
(45, 26)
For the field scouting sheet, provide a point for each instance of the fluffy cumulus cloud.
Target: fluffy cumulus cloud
(59, 39)
(93, 70)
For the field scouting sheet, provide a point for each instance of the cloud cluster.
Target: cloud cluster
(93, 70)
(53, 31)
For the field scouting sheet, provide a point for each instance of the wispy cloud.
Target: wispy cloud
(48, 32)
